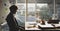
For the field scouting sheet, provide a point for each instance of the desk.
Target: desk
(40, 27)
(30, 24)
(31, 28)
(46, 26)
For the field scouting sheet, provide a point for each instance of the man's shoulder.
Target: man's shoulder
(9, 16)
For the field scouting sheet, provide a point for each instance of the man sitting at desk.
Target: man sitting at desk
(11, 20)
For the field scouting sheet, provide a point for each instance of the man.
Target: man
(11, 20)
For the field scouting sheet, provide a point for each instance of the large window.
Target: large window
(38, 10)
(43, 11)
(34, 10)
(31, 12)
(20, 15)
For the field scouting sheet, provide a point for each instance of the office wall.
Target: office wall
(4, 4)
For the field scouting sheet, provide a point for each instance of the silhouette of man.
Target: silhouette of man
(11, 20)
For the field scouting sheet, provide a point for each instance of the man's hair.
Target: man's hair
(13, 7)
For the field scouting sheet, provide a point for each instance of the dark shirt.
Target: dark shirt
(12, 22)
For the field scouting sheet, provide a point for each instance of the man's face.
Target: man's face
(13, 9)
(15, 12)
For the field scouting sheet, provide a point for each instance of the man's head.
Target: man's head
(13, 9)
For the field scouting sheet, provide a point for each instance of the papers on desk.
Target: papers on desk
(46, 25)
(32, 29)
(29, 26)
(57, 25)
(39, 26)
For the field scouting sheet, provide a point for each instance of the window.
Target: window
(36, 10)
(31, 12)
(20, 15)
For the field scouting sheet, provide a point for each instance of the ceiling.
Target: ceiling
(38, 1)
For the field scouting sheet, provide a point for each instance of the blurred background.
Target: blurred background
(29, 11)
